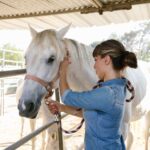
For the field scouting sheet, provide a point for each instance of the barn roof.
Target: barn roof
(17, 14)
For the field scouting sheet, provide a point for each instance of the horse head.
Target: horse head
(43, 57)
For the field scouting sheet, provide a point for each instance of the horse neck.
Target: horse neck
(81, 74)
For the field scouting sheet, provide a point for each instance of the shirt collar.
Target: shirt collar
(118, 81)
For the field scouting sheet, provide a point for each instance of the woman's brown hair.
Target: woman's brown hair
(119, 55)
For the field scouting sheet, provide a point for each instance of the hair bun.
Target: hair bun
(126, 53)
(130, 59)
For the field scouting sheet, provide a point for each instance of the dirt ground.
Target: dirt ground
(10, 127)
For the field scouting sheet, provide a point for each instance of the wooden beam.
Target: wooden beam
(84, 9)
(98, 3)
(43, 13)
(107, 8)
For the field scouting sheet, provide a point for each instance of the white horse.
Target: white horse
(145, 104)
(44, 54)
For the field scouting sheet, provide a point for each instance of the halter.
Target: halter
(48, 85)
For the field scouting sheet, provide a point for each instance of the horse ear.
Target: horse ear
(32, 31)
(63, 31)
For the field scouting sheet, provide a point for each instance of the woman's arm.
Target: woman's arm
(63, 85)
(71, 110)
(56, 107)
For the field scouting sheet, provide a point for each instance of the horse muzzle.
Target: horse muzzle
(28, 109)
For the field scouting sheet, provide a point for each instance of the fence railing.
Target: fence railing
(35, 133)
(7, 63)
(30, 136)
(9, 73)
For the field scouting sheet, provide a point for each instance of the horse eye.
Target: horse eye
(51, 59)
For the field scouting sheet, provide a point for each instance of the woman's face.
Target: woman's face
(99, 66)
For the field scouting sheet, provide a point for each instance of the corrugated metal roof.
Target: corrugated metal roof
(43, 14)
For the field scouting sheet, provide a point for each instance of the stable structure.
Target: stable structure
(42, 14)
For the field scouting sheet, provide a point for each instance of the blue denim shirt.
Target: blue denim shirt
(103, 111)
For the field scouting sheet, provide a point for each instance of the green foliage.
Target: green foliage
(12, 56)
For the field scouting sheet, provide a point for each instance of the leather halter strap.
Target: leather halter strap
(48, 85)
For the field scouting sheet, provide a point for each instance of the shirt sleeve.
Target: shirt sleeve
(99, 99)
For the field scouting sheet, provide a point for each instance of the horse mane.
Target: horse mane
(84, 78)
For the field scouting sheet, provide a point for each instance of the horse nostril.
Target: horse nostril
(29, 106)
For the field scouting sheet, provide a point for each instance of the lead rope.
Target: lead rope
(130, 88)
(57, 116)
(74, 130)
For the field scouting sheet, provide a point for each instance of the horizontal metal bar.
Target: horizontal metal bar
(11, 51)
(12, 73)
(29, 136)
(14, 61)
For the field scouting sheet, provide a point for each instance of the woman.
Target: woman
(103, 106)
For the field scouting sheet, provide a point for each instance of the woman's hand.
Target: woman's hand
(54, 107)
(64, 64)
(63, 74)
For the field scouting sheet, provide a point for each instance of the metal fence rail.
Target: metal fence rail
(5, 61)
(30, 136)
(12, 73)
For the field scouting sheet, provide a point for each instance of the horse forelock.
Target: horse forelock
(46, 42)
